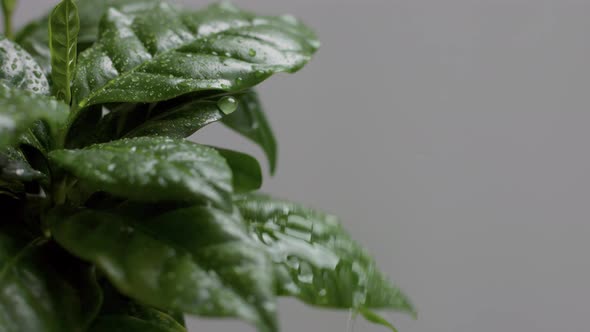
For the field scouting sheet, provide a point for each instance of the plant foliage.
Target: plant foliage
(113, 220)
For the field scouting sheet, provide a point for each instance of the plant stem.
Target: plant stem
(8, 25)
(8, 7)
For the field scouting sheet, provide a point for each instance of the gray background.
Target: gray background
(452, 137)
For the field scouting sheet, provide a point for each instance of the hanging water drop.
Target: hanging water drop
(227, 104)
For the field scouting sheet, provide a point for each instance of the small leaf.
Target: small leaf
(20, 109)
(316, 259)
(151, 169)
(250, 121)
(196, 260)
(247, 175)
(64, 26)
(43, 289)
(135, 60)
(19, 70)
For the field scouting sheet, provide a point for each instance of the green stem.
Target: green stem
(8, 7)
(8, 25)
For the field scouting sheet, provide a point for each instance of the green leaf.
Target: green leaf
(15, 167)
(219, 48)
(19, 70)
(41, 288)
(124, 315)
(151, 169)
(247, 175)
(34, 37)
(250, 121)
(64, 26)
(179, 121)
(373, 317)
(316, 259)
(20, 109)
(196, 260)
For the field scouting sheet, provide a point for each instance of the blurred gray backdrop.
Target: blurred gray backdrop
(452, 137)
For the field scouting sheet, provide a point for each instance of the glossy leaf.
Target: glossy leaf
(42, 289)
(151, 169)
(197, 260)
(250, 121)
(316, 259)
(247, 175)
(15, 167)
(64, 26)
(34, 37)
(180, 121)
(124, 315)
(219, 48)
(20, 109)
(19, 70)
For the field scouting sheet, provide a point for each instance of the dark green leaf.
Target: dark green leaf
(180, 121)
(42, 289)
(317, 261)
(20, 109)
(19, 70)
(247, 175)
(15, 167)
(151, 169)
(124, 315)
(197, 260)
(250, 121)
(221, 47)
(64, 26)
(34, 37)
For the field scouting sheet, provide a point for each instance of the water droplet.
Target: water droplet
(252, 52)
(227, 104)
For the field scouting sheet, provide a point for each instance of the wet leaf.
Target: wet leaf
(64, 26)
(316, 259)
(43, 289)
(250, 121)
(20, 109)
(219, 48)
(19, 70)
(34, 37)
(151, 169)
(15, 167)
(198, 260)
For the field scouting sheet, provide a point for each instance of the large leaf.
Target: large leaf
(19, 70)
(247, 175)
(20, 109)
(197, 260)
(151, 169)
(219, 48)
(34, 37)
(250, 121)
(42, 289)
(316, 259)
(64, 26)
